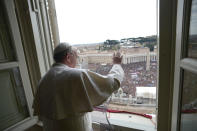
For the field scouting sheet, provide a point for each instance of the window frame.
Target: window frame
(182, 62)
(167, 13)
(19, 62)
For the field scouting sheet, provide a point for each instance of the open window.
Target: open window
(185, 85)
(26, 44)
(100, 28)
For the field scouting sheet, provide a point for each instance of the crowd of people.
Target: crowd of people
(136, 75)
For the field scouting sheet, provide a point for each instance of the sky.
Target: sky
(94, 21)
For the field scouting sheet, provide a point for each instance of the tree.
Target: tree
(111, 44)
(150, 45)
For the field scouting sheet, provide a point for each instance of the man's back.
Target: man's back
(65, 95)
(59, 91)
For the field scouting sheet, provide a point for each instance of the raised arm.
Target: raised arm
(100, 87)
(117, 71)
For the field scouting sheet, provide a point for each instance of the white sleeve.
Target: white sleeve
(117, 72)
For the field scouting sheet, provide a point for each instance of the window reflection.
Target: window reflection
(189, 102)
(7, 51)
(12, 98)
(192, 47)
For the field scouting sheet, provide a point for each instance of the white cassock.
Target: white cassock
(65, 96)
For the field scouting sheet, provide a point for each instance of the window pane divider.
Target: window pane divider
(189, 64)
(8, 65)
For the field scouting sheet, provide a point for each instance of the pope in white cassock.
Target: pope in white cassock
(65, 94)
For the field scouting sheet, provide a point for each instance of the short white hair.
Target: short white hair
(61, 50)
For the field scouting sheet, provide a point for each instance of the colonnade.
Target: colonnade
(127, 58)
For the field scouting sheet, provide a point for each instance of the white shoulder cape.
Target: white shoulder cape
(66, 91)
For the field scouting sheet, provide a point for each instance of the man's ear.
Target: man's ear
(68, 58)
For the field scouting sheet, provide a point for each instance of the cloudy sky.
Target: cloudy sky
(93, 21)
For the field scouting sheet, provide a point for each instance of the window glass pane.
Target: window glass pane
(189, 102)
(2, 53)
(192, 47)
(7, 52)
(12, 99)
